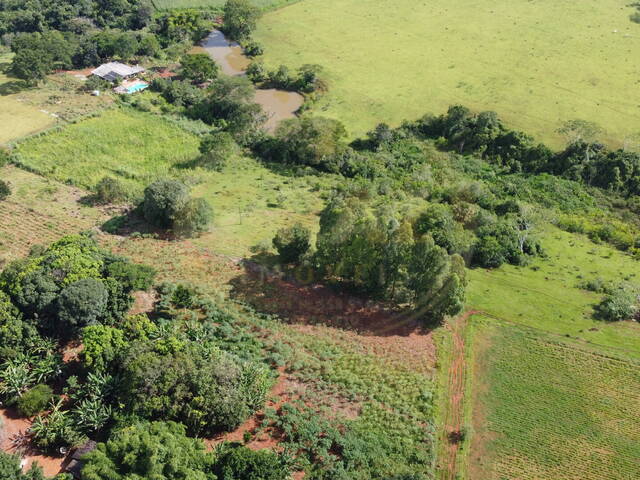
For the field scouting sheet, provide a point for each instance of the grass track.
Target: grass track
(535, 62)
(553, 410)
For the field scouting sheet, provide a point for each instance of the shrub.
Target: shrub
(132, 276)
(35, 400)
(236, 462)
(82, 303)
(193, 218)
(621, 304)
(291, 243)
(216, 148)
(110, 190)
(10, 469)
(161, 449)
(5, 190)
(162, 199)
(635, 17)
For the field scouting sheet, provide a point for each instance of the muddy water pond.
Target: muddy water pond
(278, 104)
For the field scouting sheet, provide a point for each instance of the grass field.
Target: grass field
(546, 409)
(250, 201)
(24, 110)
(535, 63)
(17, 118)
(546, 294)
(40, 211)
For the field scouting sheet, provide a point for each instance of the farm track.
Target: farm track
(455, 396)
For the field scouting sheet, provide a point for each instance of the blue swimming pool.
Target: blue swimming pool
(137, 87)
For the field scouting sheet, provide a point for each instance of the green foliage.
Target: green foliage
(16, 334)
(236, 462)
(292, 243)
(199, 68)
(131, 276)
(216, 149)
(82, 303)
(230, 105)
(193, 218)
(102, 346)
(34, 400)
(55, 429)
(620, 304)
(5, 190)
(167, 205)
(157, 450)
(10, 469)
(162, 200)
(35, 364)
(313, 141)
(195, 383)
(240, 19)
(111, 190)
(377, 253)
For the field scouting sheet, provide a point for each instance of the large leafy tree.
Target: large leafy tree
(240, 18)
(195, 383)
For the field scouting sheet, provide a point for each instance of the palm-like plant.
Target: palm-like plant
(91, 414)
(15, 378)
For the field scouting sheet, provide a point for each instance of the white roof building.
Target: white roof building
(114, 70)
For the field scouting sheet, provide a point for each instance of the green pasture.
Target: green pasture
(549, 409)
(537, 63)
(17, 117)
(546, 294)
(250, 201)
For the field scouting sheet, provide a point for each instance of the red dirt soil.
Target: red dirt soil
(12, 430)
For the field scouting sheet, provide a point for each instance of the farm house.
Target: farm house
(113, 71)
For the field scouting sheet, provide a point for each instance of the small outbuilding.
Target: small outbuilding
(113, 71)
(74, 467)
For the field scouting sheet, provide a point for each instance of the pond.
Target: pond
(278, 104)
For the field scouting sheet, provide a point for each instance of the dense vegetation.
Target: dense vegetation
(46, 35)
(170, 368)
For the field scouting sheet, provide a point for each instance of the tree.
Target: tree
(162, 199)
(438, 222)
(436, 280)
(31, 66)
(231, 105)
(82, 303)
(193, 218)
(291, 243)
(216, 148)
(195, 383)
(313, 141)
(237, 462)
(199, 67)
(5, 190)
(158, 450)
(240, 19)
